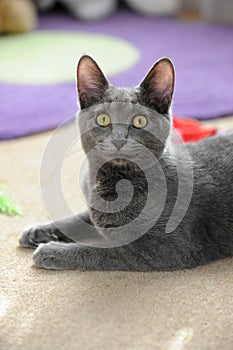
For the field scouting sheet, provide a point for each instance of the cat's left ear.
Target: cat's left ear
(91, 82)
(157, 88)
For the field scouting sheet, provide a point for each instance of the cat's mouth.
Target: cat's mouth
(120, 156)
(126, 153)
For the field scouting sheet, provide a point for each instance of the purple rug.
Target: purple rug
(202, 54)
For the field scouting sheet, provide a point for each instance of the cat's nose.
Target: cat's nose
(119, 143)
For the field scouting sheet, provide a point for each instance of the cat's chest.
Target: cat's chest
(116, 198)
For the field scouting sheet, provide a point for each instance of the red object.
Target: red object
(192, 130)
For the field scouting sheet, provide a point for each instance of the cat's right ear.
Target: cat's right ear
(91, 82)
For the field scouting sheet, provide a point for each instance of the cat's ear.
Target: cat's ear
(157, 88)
(91, 82)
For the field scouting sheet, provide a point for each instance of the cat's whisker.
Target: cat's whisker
(73, 153)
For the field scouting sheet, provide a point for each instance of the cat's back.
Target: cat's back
(212, 165)
(212, 152)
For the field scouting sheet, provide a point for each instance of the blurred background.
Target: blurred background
(42, 40)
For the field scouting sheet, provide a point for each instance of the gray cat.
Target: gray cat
(153, 205)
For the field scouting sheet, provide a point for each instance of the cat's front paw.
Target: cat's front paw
(33, 236)
(48, 256)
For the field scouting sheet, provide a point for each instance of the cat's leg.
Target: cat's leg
(143, 254)
(61, 230)
(41, 233)
(62, 256)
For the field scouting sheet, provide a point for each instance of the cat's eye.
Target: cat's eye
(139, 121)
(103, 120)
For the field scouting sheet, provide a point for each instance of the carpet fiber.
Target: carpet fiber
(38, 88)
(183, 310)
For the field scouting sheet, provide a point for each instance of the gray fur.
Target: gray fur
(203, 235)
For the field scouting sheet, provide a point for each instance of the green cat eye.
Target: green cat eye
(103, 120)
(139, 121)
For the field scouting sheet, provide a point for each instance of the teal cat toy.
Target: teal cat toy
(7, 205)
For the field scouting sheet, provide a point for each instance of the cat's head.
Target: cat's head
(119, 122)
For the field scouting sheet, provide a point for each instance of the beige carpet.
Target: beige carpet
(43, 310)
